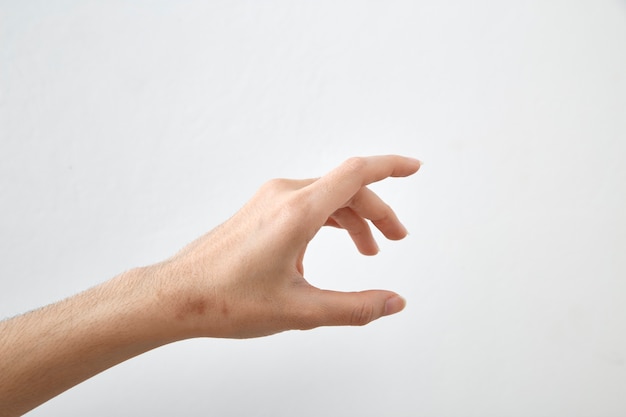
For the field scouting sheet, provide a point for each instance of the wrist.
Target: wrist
(171, 307)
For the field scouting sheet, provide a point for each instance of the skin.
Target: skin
(243, 279)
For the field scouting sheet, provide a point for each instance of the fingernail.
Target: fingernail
(394, 305)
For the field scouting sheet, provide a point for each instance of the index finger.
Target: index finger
(335, 189)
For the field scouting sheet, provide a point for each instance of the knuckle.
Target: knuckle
(297, 206)
(355, 164)
(284, 206)
(274, 185)
(362, 315)
(384, 217)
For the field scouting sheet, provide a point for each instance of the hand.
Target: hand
(246, 277)
(243, 279)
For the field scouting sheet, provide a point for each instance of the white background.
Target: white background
(128, 128)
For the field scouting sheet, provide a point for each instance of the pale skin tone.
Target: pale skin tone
(243, 279)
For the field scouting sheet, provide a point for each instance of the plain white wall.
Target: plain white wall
(128, 128)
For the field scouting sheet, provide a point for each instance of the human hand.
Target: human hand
(246, 277)
(243, 279)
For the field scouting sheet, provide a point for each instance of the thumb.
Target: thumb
(334, 308)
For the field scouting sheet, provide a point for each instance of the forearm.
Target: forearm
(47, 351)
